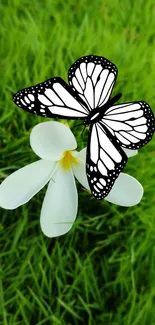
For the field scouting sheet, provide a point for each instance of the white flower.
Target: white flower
(54, 143)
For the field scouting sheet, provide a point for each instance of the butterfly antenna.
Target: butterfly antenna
(83, 130)
(76, 125)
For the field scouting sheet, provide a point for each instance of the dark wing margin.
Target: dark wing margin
(133, 124)
(104, 161)
(52, 98)
(93, 77)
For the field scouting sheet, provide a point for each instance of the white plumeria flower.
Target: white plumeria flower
(54, 143)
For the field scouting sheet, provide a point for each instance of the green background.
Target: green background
(103, 270)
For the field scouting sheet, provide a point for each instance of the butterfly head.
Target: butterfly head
(86, 123)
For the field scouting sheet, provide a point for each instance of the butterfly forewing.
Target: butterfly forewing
(105, 160)
(93, 77)
(52, 98)
(132, 124)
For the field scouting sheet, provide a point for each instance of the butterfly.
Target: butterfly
(112, 127)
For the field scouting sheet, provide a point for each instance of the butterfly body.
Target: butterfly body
(97, 114)
(111, 127)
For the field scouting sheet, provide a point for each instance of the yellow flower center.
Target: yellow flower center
(68, 159)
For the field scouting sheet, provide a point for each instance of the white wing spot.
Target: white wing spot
(96, 189)
(102, 181)
(27, 100)
(31, 97)
(99, 185)
(23, 102)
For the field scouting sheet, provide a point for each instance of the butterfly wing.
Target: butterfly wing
(93, 77)
(105, 160)
(132, 124)
(52, 98)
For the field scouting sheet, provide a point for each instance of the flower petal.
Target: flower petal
(22, 185)
(50, 139)
(79, 169)
(129, 152)
(59, 208)
(126, 191)
(82, 154)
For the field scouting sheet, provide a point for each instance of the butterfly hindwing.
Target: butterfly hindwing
(105, 160)
(52, 98)
(93, 77)
(132, 124)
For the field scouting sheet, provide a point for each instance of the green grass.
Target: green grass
(103, 271)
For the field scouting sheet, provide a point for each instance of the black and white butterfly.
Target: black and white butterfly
(87, 97)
